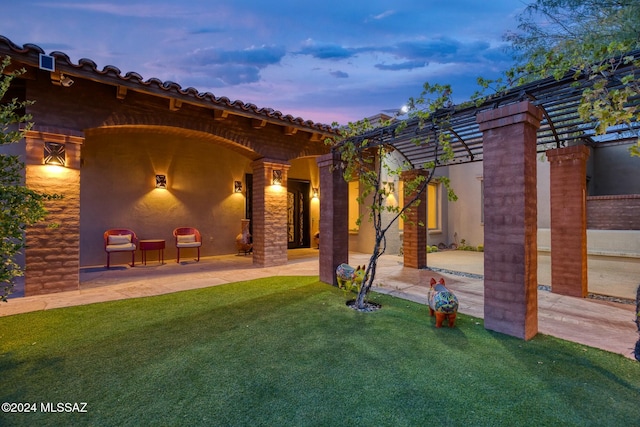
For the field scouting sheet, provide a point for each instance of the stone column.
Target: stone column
(510, 219)
(52, 256)
(334, 218)
(414, 244)
(269, 213)
(569, 220)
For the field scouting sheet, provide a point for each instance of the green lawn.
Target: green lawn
(286, 351)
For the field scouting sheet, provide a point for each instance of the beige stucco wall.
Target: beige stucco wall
(464, 215)
(118, 190)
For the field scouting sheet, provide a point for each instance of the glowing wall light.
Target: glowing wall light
(54, 154)
(277, 177)
(237, 186)
(161, 181)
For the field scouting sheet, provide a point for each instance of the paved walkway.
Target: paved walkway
(601, 324)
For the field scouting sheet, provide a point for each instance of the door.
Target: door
(298, 235)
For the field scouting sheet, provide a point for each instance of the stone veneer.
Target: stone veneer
(53, 245)
(269, 214)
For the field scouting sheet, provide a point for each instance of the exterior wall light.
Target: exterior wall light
(314, 193)
(237, 186)
(54, 154)
(161, 181)
(277, 177)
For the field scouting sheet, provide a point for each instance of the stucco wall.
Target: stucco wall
(614, 171)
(464, 215)
(118, 190)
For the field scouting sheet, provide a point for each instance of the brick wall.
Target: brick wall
(510, 207)
(619, 212)
(334, 225)
(568, 220)
(415, 235)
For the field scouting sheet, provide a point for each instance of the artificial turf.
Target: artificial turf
(287, 351)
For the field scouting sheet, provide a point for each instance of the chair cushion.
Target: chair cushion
(119, 239)
(186, 238)
(121, 247)
(189, 245)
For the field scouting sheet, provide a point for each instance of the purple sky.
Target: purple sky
(326, 61)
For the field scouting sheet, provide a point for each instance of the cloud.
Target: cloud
(327, 51)
(232, 67)
(255, 56)
(384, 14)
(408, 65)
(340, 74)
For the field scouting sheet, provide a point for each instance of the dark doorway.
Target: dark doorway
(298, 214)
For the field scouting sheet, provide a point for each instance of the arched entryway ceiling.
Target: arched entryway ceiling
(561, 126)
(232, 142)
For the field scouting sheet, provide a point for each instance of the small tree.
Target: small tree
(366, 158)
(19, 206)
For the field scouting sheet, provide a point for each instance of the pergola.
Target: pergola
(506, 131)
(561, 126)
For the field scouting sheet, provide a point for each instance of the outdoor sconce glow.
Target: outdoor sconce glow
(237, 186)
(277, 177)
(54, 154)
(161, 181)
(314, 193)
(389, 187)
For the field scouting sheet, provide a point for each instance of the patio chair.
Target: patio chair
(120, 240)
(187, 237)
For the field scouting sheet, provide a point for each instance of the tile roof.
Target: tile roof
(110, 74)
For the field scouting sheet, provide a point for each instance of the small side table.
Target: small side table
(151, 245)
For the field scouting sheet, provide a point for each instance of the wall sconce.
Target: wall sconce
(161, 181)
(314, 193)
(54, 154)
(389, 187)
(60, 79)
(277, 177)
(237, 186)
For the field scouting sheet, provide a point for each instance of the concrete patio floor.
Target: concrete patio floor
(596, 323)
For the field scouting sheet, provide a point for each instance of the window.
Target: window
(354, 206)
(433, 206)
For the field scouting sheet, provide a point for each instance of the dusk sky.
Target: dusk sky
(326, 61)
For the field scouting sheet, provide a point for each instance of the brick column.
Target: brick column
(414, 244)
(334, 218)
(569, 220)
(269, 213)
(510, 219)
(52, 256)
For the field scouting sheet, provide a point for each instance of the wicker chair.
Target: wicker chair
(187, 237)
(120, 240)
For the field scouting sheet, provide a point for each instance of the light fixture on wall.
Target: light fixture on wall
(54, 154)
(161, 181)
(237, 186)
(314, 193)
(389, 187)
(277, 177)
(60, 79)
